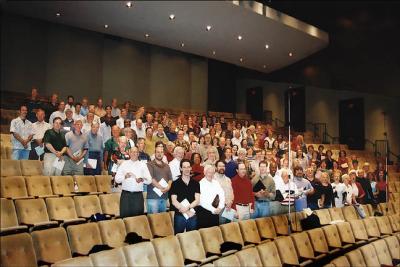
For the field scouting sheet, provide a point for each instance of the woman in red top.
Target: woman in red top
(381, 186)
(343, 162)
(197, 168)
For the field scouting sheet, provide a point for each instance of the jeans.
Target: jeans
(180, 223)
(20, 154)
(156, 205)
(261, 209)
(313, 205)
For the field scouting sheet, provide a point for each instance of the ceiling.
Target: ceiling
(258, 25)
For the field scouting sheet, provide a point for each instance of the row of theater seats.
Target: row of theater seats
(9, 167)
(264, 243)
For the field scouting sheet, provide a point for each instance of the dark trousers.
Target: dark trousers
(205, 218)
(89, 171)
(180, 223)
(131, 204)
(32, 154)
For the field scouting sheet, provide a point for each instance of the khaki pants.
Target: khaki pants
(71, 168)
(48, 168)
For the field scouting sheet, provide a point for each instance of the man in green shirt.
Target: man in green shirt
(55, 147)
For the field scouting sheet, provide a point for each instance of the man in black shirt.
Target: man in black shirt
(33, 104)
(185, 196)
(55, 147)
(51, 106)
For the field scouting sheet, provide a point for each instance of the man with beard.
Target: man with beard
(304, 186)
(226, 185)
(264, 191)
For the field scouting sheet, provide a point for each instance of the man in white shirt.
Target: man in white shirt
(95, 117)
(121, 119)
(21, 135)
(139, 128)
(115, 111)
(174, 165)
(226, 185)
(132, 174)
(38, 130)
(77, 113)
(237, 138)
(285, 187)
(58, 113)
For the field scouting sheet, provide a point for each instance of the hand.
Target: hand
(129, 175)
(228, 205)
(190, 214)
(58, 154)
(165, 190)
(183, 209)
(139, 180)
(217, 211)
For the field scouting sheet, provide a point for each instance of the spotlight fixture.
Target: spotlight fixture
(241, 59)
(58, 14)
(146, 35)
(208, 28)
(182, 44)
(106, 26)
(290, 54)
(128, 4)
(266, 46)
(172, 17)
(264, 66)
(239, 37)
(213, 52)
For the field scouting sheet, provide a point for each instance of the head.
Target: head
(34, 93)
(57, 123)
(298, 172)
(54, 98)
(92, 109)
(180, 135)
(185, 167)
(220, 165)
(122, 143)
(90, 117)
(352, 175)
(170, 147)
(159, 152)
(324, 178)
(149, 132)
(78, 108)
(124, 113)
(285, 176)
(139, 123)
(114, 103)
(361, 173)
(196, 158)
(70, 100)
(209, 171)
(141, 144)
(346, 179)
(263, 166)
(310, 173)
(95, 128)
(78, 126)
(61, 106)
(207, 139)
(134, 153)
(84, 102)
(68, 114)
(40, 115)
(241, 170)
(179, 152)
(100, 103)
(115, 131)
(336, 176)
(108, 111)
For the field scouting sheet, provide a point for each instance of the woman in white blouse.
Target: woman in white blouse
(338, 190)
(212, 199)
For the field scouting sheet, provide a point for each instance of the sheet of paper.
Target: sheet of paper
(243, 212)
(67, 129)
(186, 203)
(157, 191)
(163, 183)
(93, 163)
(39, 150)
(230, 215)
(58, 164)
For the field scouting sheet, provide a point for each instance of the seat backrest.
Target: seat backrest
(17, 250)
(394, 246)
(82, 237)
(281, 224)
(318, 240)
(8, 214)
(370, 257)
(269, 254)
(10, 167)
(13, 187)
(76, 262)
(324, 216)
(228, 261)
(168, 251)
(366, 210)
(295, 219)
(113, 232)
(103, 183)
(336, 214)
(31, 211)
(231, 232)
(141, 254)
(394, 222)
(303, 245)
(249, 231)
(358, 229)
(212, 239)
(51, 245)
(332, 236)
(31, 167)
(86, 183)
(110, 203)
(266, 228)
(114, 257)
(345, 232)
(356, 258)
(341, 261)
(370, 209)
(160, 224)
(372, 227)
(383, 252)
(249, 257)
(38, 185)
(139, 225)
(349, 213)
(287, 251)
(61, 208)
(384, 225)
(192, 245)
(86, 206)
(62, 185)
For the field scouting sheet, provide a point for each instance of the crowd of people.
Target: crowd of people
(211, 170)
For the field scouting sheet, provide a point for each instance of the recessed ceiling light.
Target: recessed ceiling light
(58, 14)
(241, 59)
(172, 16)
(239, 37)
(213, 52)
(106, 26)
(208, 28)
(264, 66)
(128, 4)
(290, 54)
(266, 46)
(182, 44)
(147, 35)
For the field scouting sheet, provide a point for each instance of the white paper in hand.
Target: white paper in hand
(157, 191)
(39, 150)
(58, 164)
(230, 215)
(163, 183)
(186, 204)
(93, 163)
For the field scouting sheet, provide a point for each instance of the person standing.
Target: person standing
(55, 147)
(242, 190)
(95, 151)
(21, 135)
(226, 185)
(38, 130)
(264, 191)
(132, 174)
(76, 150)
(58, 113)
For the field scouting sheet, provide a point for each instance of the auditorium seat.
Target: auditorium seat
(33, 212)
(269, 254)
(383, 253)
(395, 222)
(107, 258)
(359, 231)
(139, 225)
(346, 234)
(281, 224)
(62, 185)
(86, 206)
(31, 167)
(86, 183)
(349, 213)
(356, 258)
(231, 233)
(212, 239)
(74, 262)
(83, 237)
(372, 227)
(336, 214)
(295, 219)
(110, 204)
(249, 257)
(384, 225)
(393, 244)
(17, 250)
(160, 224)
(62, 209)
(168, 251)
(141, 254)
(113, 232)
(266, 228)
(341, 261)
(250, 233)
(288, 253)
(10, 167)
(13, 187)
(51, 245)
(370, 210)
(304, 247)
(383, 208)
(324, 216)
(192, 247)
(228, 261)
(9, 220)
(370, 256)
(103, 183)
(39, 186)
(333, 238)
(319, 242)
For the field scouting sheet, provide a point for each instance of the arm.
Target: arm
(120, 175)
(196, 201)
(177, 205)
